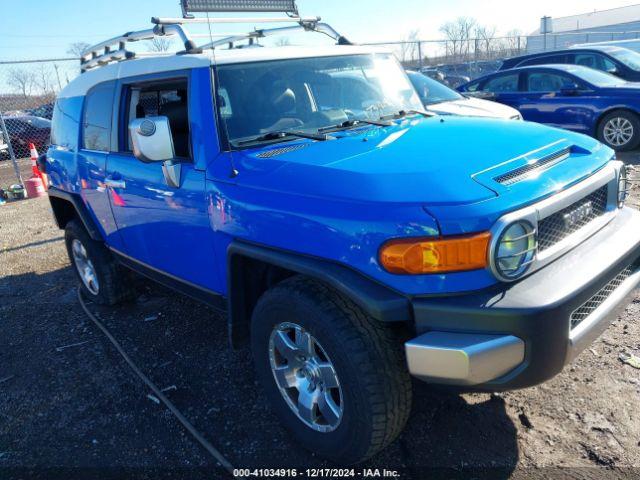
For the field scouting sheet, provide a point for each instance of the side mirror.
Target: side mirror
(613, 70)
(152, 142)
(151, 139)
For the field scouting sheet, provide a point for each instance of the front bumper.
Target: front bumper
(521, 334)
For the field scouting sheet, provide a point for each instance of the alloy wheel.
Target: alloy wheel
(306, 377)
(84, 266)
(618, 131)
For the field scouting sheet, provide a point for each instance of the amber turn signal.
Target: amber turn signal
(454, 254)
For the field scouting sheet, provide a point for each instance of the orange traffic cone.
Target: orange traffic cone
(35, 185)
(34, 166)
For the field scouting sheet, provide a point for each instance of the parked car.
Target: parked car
(353, 241)
(571, 97)
(618, 61)
(440, 99)
(43, 111)
(27, 129)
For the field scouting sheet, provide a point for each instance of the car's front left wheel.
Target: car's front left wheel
(336, 378)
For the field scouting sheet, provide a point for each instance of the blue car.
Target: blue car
(569, 96)
(351, 239)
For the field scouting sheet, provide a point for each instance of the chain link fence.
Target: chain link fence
(27, 94)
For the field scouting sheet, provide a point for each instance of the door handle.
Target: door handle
(113, 183)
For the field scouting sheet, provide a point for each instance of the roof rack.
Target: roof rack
(114, 49)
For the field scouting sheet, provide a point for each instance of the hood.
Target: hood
(431, 161)
(473, 107)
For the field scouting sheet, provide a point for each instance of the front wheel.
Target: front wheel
(620, 130)
(335, 377)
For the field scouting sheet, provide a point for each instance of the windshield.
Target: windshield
(310, 93)
(596, 77)
(431, 91)
(630, 58)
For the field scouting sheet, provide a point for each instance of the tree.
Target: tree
(485, 40)
(159, 44)
(513, 42)
(282, 42)
(458, 35)
(43, 80)
(409, 47)
(21, 80)
(77, 48)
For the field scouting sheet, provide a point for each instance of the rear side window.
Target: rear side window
(548, 82)
(503, 83)
(65, 124)
(96, 126)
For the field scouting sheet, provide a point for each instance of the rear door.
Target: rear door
(545, 100)
(164, 228)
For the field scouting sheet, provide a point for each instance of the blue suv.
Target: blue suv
(353, 239)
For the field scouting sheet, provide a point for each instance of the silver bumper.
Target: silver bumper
(463, 358)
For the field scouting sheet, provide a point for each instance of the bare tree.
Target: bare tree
(21, 80)
(458, 35)
(485, 40)
(77, 48)
(409, 47)
(513, 42)
(282, 42)
(159, 44)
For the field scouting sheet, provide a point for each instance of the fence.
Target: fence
(28, 87)
(27, 93)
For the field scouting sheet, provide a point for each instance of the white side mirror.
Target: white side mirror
(151, 139)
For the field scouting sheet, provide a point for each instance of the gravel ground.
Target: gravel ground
(70, 408)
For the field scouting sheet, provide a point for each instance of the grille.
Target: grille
(521, 173)
(594, 302)
(280, 151)
(554, 228)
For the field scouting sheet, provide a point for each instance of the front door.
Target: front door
(165, 228)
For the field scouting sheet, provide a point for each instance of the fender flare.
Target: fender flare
(81, 210)
(379, 301)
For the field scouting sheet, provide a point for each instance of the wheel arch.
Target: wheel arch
(253, 269)
(68, 206)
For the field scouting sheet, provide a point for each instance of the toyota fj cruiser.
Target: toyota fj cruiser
(353, 239)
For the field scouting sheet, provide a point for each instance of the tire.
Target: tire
(111, 283)
(624, 123)
(374, 392)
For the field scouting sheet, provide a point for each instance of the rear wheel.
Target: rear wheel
(335, 377)
(620, 130)
(102, 280)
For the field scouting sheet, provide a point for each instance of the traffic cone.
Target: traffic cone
(34, 166)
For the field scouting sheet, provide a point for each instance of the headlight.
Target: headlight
(623, 186)
(515, 250)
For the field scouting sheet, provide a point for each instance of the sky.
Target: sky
(45, 28)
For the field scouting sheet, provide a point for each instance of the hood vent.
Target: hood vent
(280, 151)
(534, 168)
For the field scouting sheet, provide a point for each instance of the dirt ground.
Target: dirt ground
(70, 407)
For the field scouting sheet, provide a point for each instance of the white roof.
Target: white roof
(166, 63)
(596, 19)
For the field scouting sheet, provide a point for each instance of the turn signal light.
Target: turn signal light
(453, 254)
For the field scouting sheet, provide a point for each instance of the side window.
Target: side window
(96, 125)
(65, 123)
(161, 99)
(503, 83)
(594, 60)
(548, 82)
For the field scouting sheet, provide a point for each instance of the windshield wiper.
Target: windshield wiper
(283, 135)
(404, 113)
(355, 122)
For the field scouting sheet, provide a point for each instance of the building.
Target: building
(621, 23)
